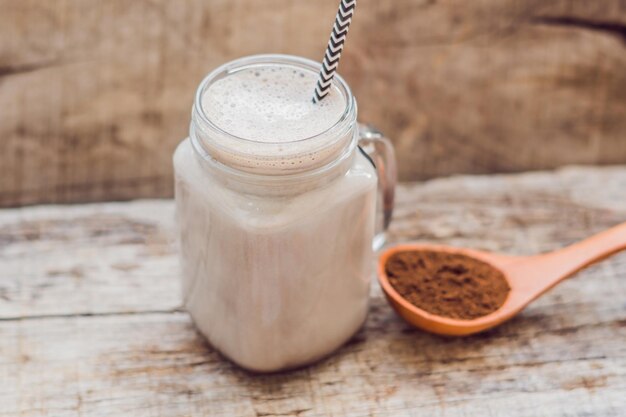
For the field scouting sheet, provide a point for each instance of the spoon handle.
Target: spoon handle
(553, 267)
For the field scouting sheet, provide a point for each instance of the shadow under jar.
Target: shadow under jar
(277, 221)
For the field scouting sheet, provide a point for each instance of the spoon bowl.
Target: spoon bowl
(528, 277)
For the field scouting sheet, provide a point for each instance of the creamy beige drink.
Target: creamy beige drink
(276, 211)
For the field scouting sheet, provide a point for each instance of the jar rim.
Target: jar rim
(343, 123)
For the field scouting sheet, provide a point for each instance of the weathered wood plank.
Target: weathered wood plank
(107, 258)
(155, 364)
(89, 323)
(94, 95)
(99, 257)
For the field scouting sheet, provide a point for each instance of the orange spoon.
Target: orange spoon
(528, 277)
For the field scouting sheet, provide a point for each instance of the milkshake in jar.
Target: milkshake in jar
(276, 207)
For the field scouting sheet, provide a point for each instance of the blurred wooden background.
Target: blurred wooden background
(95, 94)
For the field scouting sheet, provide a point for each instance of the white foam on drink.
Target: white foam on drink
(270, 107)
(271, 104)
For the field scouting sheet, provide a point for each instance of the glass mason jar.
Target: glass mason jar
(276, 256)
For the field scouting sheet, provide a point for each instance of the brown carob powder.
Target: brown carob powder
(449, 285)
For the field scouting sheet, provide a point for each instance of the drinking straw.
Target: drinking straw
(334, 48)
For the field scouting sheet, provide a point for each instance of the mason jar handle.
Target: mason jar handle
(379, 150)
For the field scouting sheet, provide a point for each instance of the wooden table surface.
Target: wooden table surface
(90, 323)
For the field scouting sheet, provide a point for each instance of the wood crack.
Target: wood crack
(295, 412)
(107, 314)
(615, 29)
(8, 70)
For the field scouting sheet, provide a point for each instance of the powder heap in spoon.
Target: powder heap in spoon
(446, 284)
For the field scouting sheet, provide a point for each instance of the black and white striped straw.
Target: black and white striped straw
(334, 48)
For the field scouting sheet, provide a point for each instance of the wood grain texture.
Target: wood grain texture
(94, 95)
(90, 324)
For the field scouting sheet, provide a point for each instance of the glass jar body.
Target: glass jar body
(275, 276)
